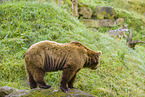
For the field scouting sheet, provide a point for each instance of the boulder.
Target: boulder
(143, 20)
(57, 93)
(5, 91)
(144, 13)
(37, 92)
(130, 1)
(98, 23)
(93, 29)
(85, 11)
(119, 21)
(101, 12)
(91, 23)
(19, 93)
(106, 23)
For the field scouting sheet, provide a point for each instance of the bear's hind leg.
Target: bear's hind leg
(38, 75)
(32, 82)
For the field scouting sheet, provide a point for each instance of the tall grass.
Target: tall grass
(24, 23)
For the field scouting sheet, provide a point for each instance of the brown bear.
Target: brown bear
(46, 56)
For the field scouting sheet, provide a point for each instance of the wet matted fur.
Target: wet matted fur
(47, 56)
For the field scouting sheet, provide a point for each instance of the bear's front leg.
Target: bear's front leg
(67, 75)
(70, 83)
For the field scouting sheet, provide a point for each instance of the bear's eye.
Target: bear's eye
(94, 61)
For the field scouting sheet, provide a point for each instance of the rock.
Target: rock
(143, 20)
(93, 29)
(120, 21)
(98, 13)
(106, 23)
(18, 93)
(58, 93)
(37, 92)
(98, 23)
(130, 1)
(5, 91)
(118, 33)
(91, 23)
(101, 12)
(85, 11)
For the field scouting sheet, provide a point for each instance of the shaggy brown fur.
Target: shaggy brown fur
(46, 56)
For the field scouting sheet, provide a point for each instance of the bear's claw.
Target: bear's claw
(45, 87)
(64, 90)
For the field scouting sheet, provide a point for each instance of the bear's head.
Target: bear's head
(93, 60)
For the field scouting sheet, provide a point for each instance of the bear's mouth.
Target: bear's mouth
(94, 68)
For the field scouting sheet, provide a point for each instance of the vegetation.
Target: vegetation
(24, 23)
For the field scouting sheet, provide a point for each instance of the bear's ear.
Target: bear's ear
(99, 53)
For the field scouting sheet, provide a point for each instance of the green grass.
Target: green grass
(22, 24)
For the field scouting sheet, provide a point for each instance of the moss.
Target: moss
(55, 93)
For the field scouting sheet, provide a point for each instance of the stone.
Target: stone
(130, 1)
(93, 29)
(37, 92)
(119, 21)
(98, 23)
(91, 23)
(106, 23)
(143, 20)
(18, 93)
(101, 12)
(58, 93)
(118, 33)
(85, 11)
(5, 91)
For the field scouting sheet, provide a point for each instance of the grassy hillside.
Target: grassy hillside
(22, 24)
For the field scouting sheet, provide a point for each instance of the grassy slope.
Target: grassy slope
(22, 24)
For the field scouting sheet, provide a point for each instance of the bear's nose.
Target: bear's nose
(96, 67)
